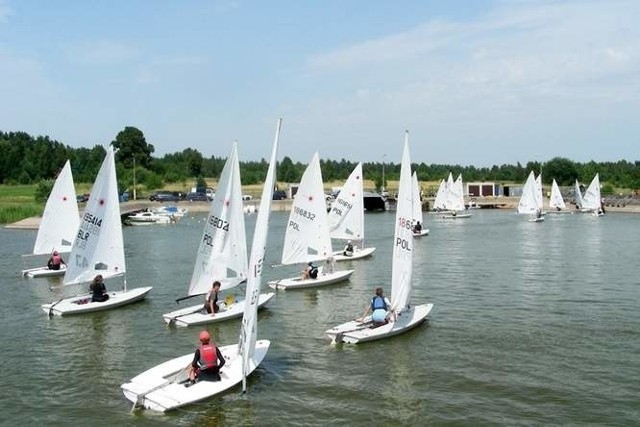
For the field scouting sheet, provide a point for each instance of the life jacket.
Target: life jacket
(208, 356)
(378, 303)
(313, 273)
(56, 260)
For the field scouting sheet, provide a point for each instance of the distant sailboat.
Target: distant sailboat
(529, 201)
(346, 217)
(592, 201)
(417, 216)
(59, 223)
(556, 202)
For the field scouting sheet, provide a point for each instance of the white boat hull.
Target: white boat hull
(162, 387)
(194, 315)
(422, 232)
(322, 280)
(540, 219)
(357, 254)
(355, 332)
(82, 303)
(44, 272)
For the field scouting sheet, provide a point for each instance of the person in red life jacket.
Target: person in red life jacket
(55, 261)
(207, 361)
(211, 299)
(98, 289)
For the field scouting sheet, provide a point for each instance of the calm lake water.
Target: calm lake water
(532, 324)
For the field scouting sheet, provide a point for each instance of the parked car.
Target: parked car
(82, 197)
(279, 195)
(247, 197)
(198, 197)
(165, 196)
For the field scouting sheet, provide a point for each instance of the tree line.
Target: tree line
(27, 160)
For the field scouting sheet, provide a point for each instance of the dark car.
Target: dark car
(198, 197)
(165, 196)
(279, 195)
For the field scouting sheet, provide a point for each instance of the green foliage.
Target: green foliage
(201, 183)
(131, 145)
(152, 181)
(43, 190)
(10, 213)
(607, 189)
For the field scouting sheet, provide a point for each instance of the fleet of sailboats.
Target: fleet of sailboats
(96, 247)
(163, 387)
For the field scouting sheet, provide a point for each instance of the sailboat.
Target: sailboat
(440, 202)
(454, 202)
(529, 201)
(577, 195)
(592, 200)
(417, 208)
(346, 217)
(222, 254)
(556, 202)
(307, 237)
(162, 388)
(404, 316)
(98, 248)
(59, 223)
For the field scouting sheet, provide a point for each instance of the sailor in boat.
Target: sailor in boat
(538, 214)
(310, 272)
(348, 249)
(207, 361)
(379, 309)
(211, 299)
(417, 228)
(55, 261)
(98, 289)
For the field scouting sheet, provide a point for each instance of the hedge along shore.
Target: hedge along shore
(504, 203)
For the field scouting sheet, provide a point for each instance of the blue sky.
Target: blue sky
(475, 82)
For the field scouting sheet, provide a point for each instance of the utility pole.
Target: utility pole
(134, 177)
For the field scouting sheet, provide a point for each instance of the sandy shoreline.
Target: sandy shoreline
(504, 203)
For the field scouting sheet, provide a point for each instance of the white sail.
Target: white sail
(346, 217)
(556, 201)
(591, 199)
(248, 330)
(440, 202)
(529, 200)
(222, 253)
(98, 247)
(577, 194)
(417, 203)
(307, 236)
(61, 217)
(403, 237)
(539, 198)
(455, 196)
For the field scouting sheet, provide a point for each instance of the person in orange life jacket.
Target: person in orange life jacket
(98, 289)
(310, 272)
(211, 299)
(379, 307)
(207, 360)
(55, 261)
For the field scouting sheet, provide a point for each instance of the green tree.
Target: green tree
(131, 144)
(561, 169)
